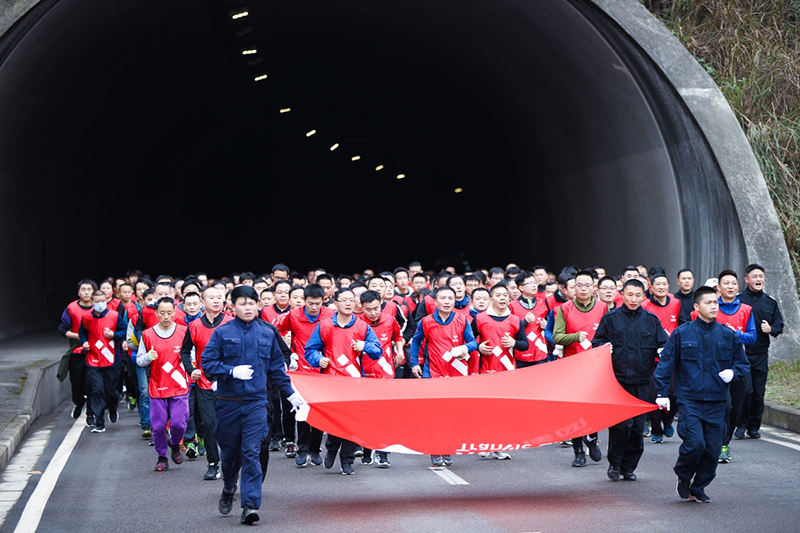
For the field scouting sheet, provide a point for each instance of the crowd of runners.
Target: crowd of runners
(165, 346)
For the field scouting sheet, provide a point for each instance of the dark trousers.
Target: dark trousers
(753, 408)
(346, 449)
(206, 417)
(282, 425)
(733, 408)
(309, 439)
(240, 429)
(129, 377)
(701, 429)
(191, 423)
(104, 391)
(661, 419)
(81, 388)
(625, 440)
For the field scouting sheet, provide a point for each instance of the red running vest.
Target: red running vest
(738, 320)
(76, 314)
(296, 322)
(101, 350)
(439, 340)
(537, 344)
(667, 314)
(577, 320)
(344, 361)
(387, 330)
(167, 376)
(271, 314)
(501, 359)
(201, 334)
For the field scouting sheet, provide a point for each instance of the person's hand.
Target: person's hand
(152, 354)
(484, 348)
(530, 317)
(324, 362)
(196, 374)
(358, 346)
(542, 323)
(107, 333)
(731, 327)
(293, 359)
(663, 403)
(125, 346)
(243, 372)
(460, 352)
(86, 346)
(507, 341)
(296, 400)
(416, 371)
(582, 336)
(398, 359)
(765, 327)
(726, 375)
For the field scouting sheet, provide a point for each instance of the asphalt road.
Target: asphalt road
(108, 484)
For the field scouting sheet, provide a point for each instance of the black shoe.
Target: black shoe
(301, 460)
(90, 420)
(580, 459)
(274, 445)
(613, 472)
(366, 459)
(113, 416)
(316, 460)
(594, 449)
(249, 515)
(98, 429)
(739, 433)
(448, 460)
(683, 488)
(212, 473)
(629, 476)
(347, 469)
(753, 433)
(700, 497)
(76, 411)
(383, 460)
(226, 501)
(330, 458)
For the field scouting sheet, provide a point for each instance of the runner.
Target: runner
(70, 324)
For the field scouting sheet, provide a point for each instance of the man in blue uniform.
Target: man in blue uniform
(240, 356)
(704, 356)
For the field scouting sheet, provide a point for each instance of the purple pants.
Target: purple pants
(176, 410)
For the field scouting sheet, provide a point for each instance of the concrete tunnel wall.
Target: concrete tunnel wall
(642, 159)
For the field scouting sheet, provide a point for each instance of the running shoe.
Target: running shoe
(302, 459)
(725, 455)
(191, 450)
(448, 460)
(500, 456)
(613, 472)
(177, 456)
(316, 460)
(656, 439)
(594, 449)
(683, 488)
(161, 465)
(90, 420)
(113, 415)
(647, 428)
(669, 430)
(226, 501)
(700, 496)
(249, 515)
(76, 410)
(366, 458)
(212, 473)
(131, 404)
(359, 452)
(347, 469)
(201, 447)
(436, 460)
(291, 450)
(580, 459)
(330, 458)
(753, 433)
(274, 445)
(147, 432)
(383, 460)
(739, 433)
(98, 429)
(629, 476)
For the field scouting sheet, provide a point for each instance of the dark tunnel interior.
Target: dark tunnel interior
(138, 134)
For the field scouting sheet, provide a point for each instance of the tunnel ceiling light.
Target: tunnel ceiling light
(239, 15)
(310, 133)
(379, 167)
(249, 52)
(259, 78)
(286, 109)
(401, 176)
(459, 189)
(355, 158)
(334, 147)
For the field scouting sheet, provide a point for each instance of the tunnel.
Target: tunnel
(223, 136)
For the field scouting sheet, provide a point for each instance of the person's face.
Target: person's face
(642, 271)
(260, 286)
(296, 299)
(500, 299)
(345, 304)
(755, 280)
(140, 288)
(203, 279)
(166, 315)
(85, 292)
(630, 274)
(457, 284)
(313, 305)
(496, 278)
(540, 275)
(388, 293)
(728, 287)
(570, 289)
(248, 282)
(601, 272)
(118, 283)
(451, 270)
(550, 289)
(150, 299)
(529, 287)
(418, 283)
(280, 274)
(607, 291)
(445, 301)
(686, 281)
(513, 290)
(229, 286)
(372, 310)
(212, 301)
(480, 301)
(267, 298)
(402, 281)
(471, 285)
(344, 282)
(584, 288)
(282, 295)
(632, 297)
(377, 285)
(125, 293)
(178, 287)
(132, 279)
(108, 290)
(246, 309)
(414, 269)
(327, 286)
(98, 299)
(163, 291)
(707, 307)
(192, 305)
(660, 287)
(358, 291)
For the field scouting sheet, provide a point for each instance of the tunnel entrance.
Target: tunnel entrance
(177, 136)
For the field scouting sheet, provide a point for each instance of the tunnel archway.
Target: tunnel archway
(142, 135)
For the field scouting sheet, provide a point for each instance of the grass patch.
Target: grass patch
(783, 383)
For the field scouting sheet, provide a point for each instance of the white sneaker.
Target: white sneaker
(500, 456)
(483, 455)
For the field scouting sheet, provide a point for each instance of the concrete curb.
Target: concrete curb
(41, 395)
(782, 416)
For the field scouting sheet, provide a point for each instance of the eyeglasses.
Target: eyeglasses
(583, 285)
(346, 300)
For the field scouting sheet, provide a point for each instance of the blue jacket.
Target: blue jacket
(245, 343)
(695, 353)
(315, 349)
(749, 335)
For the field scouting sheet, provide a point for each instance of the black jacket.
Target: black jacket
(765, 307)
(687, 306)
(635, 337)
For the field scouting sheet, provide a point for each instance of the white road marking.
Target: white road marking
(447, 475)
(32, 514)
(18, 471)
(784, 434)
(782, 443)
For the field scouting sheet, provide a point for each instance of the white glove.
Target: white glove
(663, 403)
(296, 400)
(726, 375)
(214, 386)
(293, 361)
(242, 372)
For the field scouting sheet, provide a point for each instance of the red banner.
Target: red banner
(503, 411)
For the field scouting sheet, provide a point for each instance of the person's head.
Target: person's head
(280, 271)
(192, 303)
(471, 282)
(499, 296)
(659, 284)
(600, 271)
(298, 279)
(480, 299)
(345, 301)
(125, 292)
(419, 281)
(728, 285)
(165, 312)
(441, 279)
(313, 295)
(512, 271)
(213, 301)
(282, 288)
(445, 300)
(371, 305)
(540, 273)
(85, 289)
(190, 286)
(642, 271)
(245, 303)
(606, 289)
(550, 288)
(98, 301)
(149, 297)
(754, 277)
(266, 297)
(133, 276)
(108, 289)
(260, 284)
(247, 278)
(401, 278)
(496, 275)
(706, 304)
(584, 286)
(527, 284)
(513, 289)
(140, 286)
(414, 267)
(456, 282)
(633, 294)
(629, 272)
(345, 280)
(202, 277)
(377, 284)
(296, 297)
(326, 282)
(358, 289)
(164, 289)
